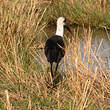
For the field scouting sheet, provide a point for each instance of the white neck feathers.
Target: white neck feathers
(60, 30)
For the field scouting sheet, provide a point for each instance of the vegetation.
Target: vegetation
(84, 12)
(23, 80)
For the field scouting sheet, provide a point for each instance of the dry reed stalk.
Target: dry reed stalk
(29, 104)
(8, 105)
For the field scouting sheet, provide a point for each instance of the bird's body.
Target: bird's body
(54, 46)
(54, 49)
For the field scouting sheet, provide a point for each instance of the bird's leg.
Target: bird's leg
(56, 70)
(56, 76)
(56, 67)
(51, 64)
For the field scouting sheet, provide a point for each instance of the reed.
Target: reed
(23, 79)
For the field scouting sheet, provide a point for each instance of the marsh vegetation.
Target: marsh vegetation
(23, 79)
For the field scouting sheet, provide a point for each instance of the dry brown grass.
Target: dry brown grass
(89, 86)
(23, 80)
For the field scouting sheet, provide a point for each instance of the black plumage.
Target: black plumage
(54, 50)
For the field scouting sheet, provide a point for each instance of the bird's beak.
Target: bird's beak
(67, 27)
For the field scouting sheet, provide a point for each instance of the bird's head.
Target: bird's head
(62, 22)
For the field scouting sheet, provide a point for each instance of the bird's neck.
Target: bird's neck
(60, 30)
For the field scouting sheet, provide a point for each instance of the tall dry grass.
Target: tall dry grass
(88, 84)
(23, 80)
(21, 25)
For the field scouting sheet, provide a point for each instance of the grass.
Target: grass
(87, 12)
(23, 79)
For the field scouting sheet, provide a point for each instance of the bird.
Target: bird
(54, 47)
